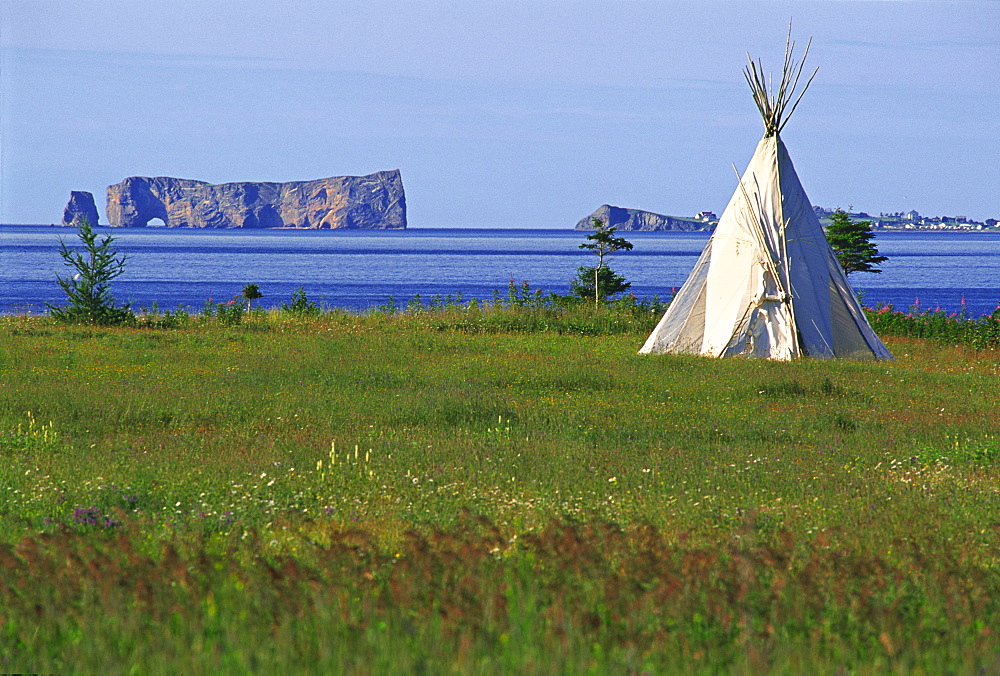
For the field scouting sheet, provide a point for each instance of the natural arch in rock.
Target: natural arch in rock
(375, 201)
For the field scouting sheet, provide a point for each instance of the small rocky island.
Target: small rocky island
(80, 208)
(374, 202)
(636, 219)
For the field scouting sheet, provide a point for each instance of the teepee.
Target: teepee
(767, 283)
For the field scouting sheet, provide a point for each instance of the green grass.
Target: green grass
(489, 490)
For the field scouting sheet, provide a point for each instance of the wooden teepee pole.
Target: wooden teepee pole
(771, 105)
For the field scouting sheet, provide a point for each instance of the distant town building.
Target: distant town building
(912, 220)
(706, 216)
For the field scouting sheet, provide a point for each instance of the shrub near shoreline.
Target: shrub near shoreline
(540, 499)
(958, 328)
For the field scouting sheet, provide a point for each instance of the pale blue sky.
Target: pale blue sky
(499, 114)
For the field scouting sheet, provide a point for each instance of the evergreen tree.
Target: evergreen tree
(852, 243)
(89, 290)
(603, 243)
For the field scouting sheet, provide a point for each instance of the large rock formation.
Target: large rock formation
(80, 208)
(375, 201)
(636, 219)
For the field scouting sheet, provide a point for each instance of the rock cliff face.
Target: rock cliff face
(80, 207)
(636, 219)
(375, 201)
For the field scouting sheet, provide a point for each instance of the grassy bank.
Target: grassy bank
(488, 491)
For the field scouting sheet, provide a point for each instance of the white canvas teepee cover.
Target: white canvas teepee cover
(767, 284)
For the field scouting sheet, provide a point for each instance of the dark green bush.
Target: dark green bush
(300, 305)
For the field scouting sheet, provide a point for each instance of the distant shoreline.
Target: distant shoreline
(879, 230)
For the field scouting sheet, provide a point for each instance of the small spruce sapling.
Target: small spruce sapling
(603, 243)
(89, 290)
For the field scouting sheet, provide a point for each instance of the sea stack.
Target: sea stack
(81, 207)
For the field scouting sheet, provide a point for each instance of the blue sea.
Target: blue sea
(360, 270)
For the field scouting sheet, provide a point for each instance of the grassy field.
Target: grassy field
(479, 491)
